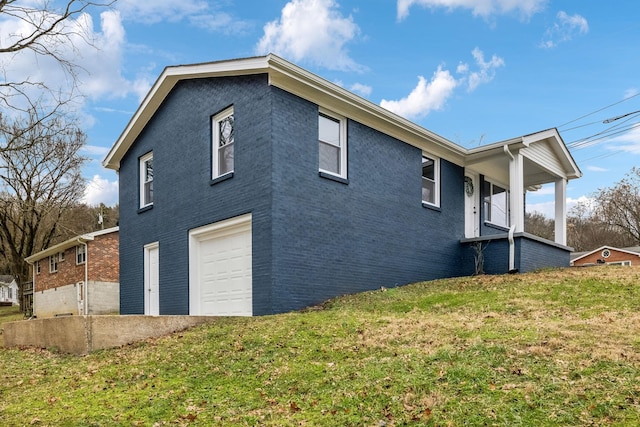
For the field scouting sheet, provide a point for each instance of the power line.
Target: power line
(597, 111)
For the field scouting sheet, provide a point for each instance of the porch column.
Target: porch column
(561, 211)
(516, 188)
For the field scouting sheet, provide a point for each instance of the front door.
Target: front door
(471, 208)
(151, 279)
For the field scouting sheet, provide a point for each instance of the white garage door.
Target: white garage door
(220, 282)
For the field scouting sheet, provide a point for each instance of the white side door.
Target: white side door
(151, 279)
(471, 205)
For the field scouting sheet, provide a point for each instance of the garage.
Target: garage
(220, 272)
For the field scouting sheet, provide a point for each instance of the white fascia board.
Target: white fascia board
(552, 135)
(74, 241)
(169, 77)
(318, 90)
(59, 248)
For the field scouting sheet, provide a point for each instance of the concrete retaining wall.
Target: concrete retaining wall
(84, 334)
(104, 298)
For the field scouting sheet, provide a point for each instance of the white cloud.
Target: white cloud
(361, 89)
(95, 150)
(312, 30)
(564, 29)
(484, 8)
(98, 55)
(430, 96)
(628, 142)
(597, 169)
(153, 12)
(486, 70)
(425, 97)
(548, 208)
(631, 92)
(101, 190)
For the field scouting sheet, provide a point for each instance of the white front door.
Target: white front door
(151, 279)
(471, 205)
(220, 279)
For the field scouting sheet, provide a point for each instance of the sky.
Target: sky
(472, 71)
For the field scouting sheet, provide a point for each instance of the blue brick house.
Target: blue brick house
(252, 186)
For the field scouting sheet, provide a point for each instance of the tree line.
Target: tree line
(41, 183)
(611, 217)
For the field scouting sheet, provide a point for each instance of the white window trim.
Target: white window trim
(53, 263)
(343, 143)
(215, 150)
(508, 203)
(623, 263)
(84, 254)
(143, 160)
(436, 179)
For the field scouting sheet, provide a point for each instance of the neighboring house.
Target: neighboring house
(607, 255)
(8, 290)
(253, 186)
(79, 276)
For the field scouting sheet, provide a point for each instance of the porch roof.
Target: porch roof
(545, 155)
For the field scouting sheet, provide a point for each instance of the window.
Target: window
(53, 263)
(223, 143)
(61, 256)
(37, 267)
(332, 137)
(430, 181)
(624, 263)
(81, 254)
(496, 204)
(146, 180)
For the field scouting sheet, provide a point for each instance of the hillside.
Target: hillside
(558, 347)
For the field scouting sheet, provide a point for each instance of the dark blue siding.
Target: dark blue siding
(313, 238)
(534, 255)
(332, 238)
(179, 135)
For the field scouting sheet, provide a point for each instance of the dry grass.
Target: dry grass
(554, 348)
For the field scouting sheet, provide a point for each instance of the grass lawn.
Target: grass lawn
(554, 348)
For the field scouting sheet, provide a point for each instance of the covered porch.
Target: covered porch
(497, 178)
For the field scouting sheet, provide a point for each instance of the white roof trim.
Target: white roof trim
(83, 238)
(296, 80)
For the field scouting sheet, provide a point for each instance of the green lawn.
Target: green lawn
(555, 348)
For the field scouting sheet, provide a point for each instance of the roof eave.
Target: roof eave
(83, 238)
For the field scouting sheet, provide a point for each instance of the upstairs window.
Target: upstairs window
(223, 126)
(496, 204)
(37, 267)
(430, 181)
(53, 263)
(81, 254)
(146, 180)
(332, 137)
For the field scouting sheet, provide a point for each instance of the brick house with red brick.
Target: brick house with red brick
(607, 255)
(79, 276)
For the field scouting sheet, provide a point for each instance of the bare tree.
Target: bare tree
(45, 29)
(539, 225)
(619, 206)
(39, 183)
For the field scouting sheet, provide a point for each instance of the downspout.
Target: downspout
(512, 229)
(512, 251)
(86, 279)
